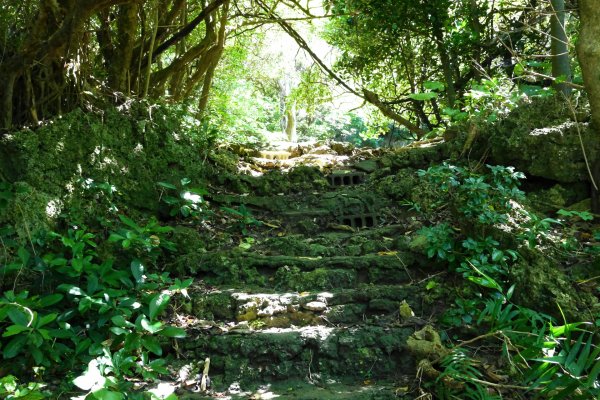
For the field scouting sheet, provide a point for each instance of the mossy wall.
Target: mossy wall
(131, 149)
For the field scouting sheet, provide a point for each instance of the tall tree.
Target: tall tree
(47, 62)
(588, 51)
(561, 62)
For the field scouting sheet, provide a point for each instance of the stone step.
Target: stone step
(335, 243)
(318, 352)
(260, 310)
(304, 389)
(305, 273)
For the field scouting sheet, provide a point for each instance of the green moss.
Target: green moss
(187, 240)
(213, 306)
(321, 278)
(28, 212)
(544, 287)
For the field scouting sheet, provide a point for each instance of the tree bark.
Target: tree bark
(588, 51)
(119, 67)
(561, 64)
(373, 98)
(290, 126)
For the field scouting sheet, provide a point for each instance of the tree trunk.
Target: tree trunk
(438, 35)
(6, 101)
(119, 67)
(214, 60)
(561, 66)
(588, 51)
(290, 126)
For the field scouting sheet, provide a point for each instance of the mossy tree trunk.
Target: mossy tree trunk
(588, 51)
(46, 67)
(561, 62)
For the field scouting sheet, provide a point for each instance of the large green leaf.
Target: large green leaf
(138, 269)
(105, 394)
(15, 330)
(423, 96)
(14, 346)
(167, 185)
(129, 222)
(172, 331)
(51, 299)
(20, 316)
(71, 289)
(150, 327)
(157, 304)
(434, 85)
(151, 343)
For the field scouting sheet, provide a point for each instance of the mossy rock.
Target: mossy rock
(30, 212)
(543, 286)
(540, 139)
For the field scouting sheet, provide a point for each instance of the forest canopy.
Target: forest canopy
(423, 64)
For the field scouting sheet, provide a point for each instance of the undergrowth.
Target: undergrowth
(546, 358)
(86, 296)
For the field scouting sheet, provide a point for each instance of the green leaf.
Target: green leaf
(497, 255)
(423, 96)
(152, 344)
(121, 322)
(138, 269)
(15, 330)
(485, 282)
(185, 181)
(19, 317)
(46, 319)
(51, 299)
(105, 394)
(157, 304)
(23, 255)
(434, 85)
(115, 237)
(173, 331)
(119, 331)
(198, 191)
(37, 354)
(167, 185)
(129, 222)
(71, 289)
(14, 346)
(152, 328)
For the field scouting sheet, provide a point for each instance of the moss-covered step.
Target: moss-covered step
(335, 243)
(302, 273)
(248, 357)
(310, 388)
(283, 310)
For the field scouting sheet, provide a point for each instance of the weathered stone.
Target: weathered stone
(426, 343)
(383, 305)
(315, 306)
(367, 166)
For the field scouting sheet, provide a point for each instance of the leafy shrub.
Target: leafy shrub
(183, 200)
(99, 314)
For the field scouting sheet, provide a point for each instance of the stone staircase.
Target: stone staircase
(318, 305)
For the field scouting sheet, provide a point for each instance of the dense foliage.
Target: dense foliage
(112, 113)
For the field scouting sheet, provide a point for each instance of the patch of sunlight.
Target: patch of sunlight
(194, 198)
(163, 390)
(53, 208)
(264, 393)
